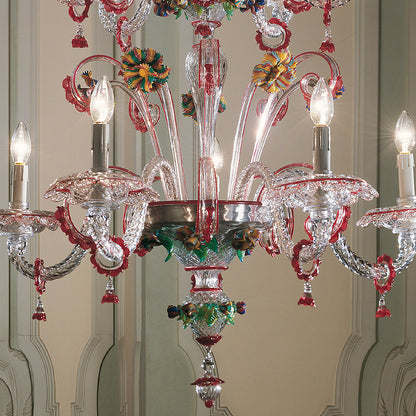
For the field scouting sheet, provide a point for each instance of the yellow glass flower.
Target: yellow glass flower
(276, 72)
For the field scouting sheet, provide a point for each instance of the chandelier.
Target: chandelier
(207, 233)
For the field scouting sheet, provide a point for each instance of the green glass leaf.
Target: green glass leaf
(198, 9)
(240, 255)
(211, 318)
(228, 8)
(185, 319)
(201, 253)
(213, 245)
(167, 243)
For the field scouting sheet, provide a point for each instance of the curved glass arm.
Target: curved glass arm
(16, 246)
(109, 19)
(268, 29)
(97, 223)
(238, 138)
(135, 220)
(321, 228)
(407, 251)
(168, 108)
(281, 231)
(160, 165)
(245, 180)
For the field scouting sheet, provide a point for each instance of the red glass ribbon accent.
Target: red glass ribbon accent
(207, 381)
(124, 41)
(68, 228)
(306, 276)
(107, 271)
(327, 13)
(297, 6)
(40, 282)
(339, 226)
(287, 36)
(116, 7)
(66, 84)
(388, 261)
(79, 18)
(203, 3)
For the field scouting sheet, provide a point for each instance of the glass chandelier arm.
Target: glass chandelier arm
(168, 108)
(407, 250)
(355, 263)
(135, 220)
(238, 139)
(281, 231)
(97, 222)
(266, 28)
(160, 165)
(109, 19)
(245, 180)
(16, 253)
(321, 228)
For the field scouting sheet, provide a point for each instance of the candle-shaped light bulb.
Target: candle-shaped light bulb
(404, 137)
(322, 104)
(405, 142)
(102, 102)
(20, 148)
(20, 145)
(217, 154)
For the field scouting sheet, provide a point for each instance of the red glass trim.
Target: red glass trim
(307, 301)
(116, 7)
(209, 341)
(284, 45)
(382, 312)
(39, 280)
(190, 269)
(110, 298)
(207, 381)
(63, 216)
(297, 6)
(326, 179)
(39, 316)
(390, 211)
(194, 202)
(125, 44)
